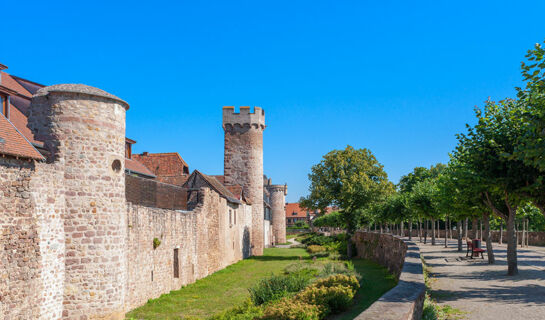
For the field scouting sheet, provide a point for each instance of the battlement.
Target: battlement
(243, 117)
(278, 188)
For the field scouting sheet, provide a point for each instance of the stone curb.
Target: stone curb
(404, 301)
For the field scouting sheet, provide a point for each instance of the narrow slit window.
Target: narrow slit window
(176, 264)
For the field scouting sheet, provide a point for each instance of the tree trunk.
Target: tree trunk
(466, 222)
(501, 231)
(401, 229)
(512, 268)
(446, 239)
(349, 246)
(523, 232)
(426, 231)
(527, 231)
(481, 224)
(459, 229)
(432, 232)
(419, 230)
(489, 250)
(474, 229)
(410, 229)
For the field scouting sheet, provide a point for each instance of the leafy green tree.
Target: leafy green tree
(333, 220)
(486, 152)
(351, 179)
(423, 201)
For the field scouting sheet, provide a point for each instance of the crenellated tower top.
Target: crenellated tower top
(245, 118)
(278, 188)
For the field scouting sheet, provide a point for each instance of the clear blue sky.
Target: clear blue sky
(397, 77)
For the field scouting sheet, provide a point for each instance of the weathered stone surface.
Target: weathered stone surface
(402, 258)
(243, 163)
(278, 212)
(71, 244)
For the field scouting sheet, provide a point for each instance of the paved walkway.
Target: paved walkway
(292, 241)
(485, 291)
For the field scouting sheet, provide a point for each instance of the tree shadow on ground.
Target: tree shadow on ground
(528, 294)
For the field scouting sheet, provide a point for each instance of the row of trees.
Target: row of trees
(495, 172)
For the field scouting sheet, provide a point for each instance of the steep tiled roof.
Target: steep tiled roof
(18, 116)
(137, 167)
(162, 164)
(214, 184)
(13, 143)
(302, 213)
(9, 82)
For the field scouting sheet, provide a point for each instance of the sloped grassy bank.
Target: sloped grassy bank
(274, 285)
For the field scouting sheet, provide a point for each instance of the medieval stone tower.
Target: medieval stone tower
(243, 162)
(278, 201)
(83, 128)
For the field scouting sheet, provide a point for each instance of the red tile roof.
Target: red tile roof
(302, 213)
(10, 83)
(162, 163)
(168, 167)
(13, 143)
(292, 208)
(137, 167)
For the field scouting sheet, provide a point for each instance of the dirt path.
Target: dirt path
(485, 291)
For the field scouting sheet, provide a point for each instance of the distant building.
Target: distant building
(295, 213)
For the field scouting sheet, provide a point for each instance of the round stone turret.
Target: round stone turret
(278, 212)
(83, 128)
(243, 163)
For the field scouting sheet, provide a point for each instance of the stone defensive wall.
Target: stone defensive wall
(193, 244)
(81, 240)
(402, 258)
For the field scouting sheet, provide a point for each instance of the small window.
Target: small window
(235, 217)
(186, 170)
(176, 264)
(4, 105)
(128, 150)
(152, 276)
(230, 221)
(294, 213)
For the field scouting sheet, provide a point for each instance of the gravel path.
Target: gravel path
(485, 291)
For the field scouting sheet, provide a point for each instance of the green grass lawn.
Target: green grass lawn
(376, 281)
(229, 287)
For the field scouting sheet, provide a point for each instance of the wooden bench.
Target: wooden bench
(474, 251)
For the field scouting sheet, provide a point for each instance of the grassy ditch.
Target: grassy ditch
(286, 280)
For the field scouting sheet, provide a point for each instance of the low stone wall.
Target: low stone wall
(535, 238)
(402, 258)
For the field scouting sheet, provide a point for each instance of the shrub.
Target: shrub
(277, 286)
(156, 243)
(334, 256)
(315, 248)
(322, 254)
(334, 268)
(246, 311)
(314, 239)
(293, 309)
(336, 298)
(301, 268)
(338, 280)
